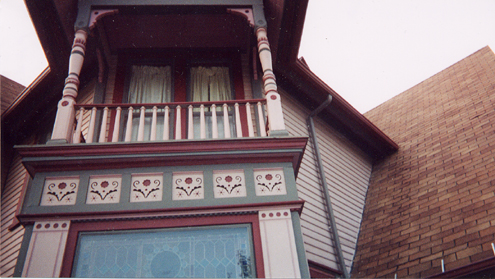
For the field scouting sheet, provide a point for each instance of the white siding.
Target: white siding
(11, 240)
(347, 171)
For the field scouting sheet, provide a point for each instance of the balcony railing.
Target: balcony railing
(166, 121)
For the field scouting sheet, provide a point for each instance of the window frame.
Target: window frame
(162, 223)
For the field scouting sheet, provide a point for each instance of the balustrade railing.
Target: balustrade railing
(167, 121)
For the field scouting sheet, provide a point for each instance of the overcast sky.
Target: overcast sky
(367, 51)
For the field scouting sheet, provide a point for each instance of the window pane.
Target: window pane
(208, 252)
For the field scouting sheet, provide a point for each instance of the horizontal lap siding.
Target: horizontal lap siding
(11, 240)
(347, 171)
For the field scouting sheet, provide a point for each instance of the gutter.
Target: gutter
(333, 224)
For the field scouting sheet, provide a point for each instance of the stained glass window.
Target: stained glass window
(197, 252)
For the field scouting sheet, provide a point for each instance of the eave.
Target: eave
(311, 91)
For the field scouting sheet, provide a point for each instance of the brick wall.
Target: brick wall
(9, 90)
(434, 199)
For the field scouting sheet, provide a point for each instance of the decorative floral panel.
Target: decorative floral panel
(146, 187)
(229, 183)
(60, 191)
(188, 185)
(269, 182)
(104, 189)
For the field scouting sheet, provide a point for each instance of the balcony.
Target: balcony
(100, 123)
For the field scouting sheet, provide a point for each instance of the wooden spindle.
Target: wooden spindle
(103, 129)
(226, 122)
(91, 130)
(249, 120)
(128, 128)
(166, 124)
(178, 124)
(77, 135)
(116, 125)
(190, 123)
(238, 126)
(261, 120)
(214, 123)
(141, 124)
(202, 124)
(153, 124)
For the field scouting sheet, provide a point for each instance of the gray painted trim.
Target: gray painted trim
(85, 7)
(21, 257)
(301, 251)
(35, 189)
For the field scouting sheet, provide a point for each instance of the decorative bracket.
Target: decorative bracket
(247, 13)
(98, 14)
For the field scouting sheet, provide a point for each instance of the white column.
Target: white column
(46, 249)
(273, 104)
(64, 121)
(278, 243)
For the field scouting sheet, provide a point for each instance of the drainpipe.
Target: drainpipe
(333, 224)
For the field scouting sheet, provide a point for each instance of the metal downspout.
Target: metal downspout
(333, 224)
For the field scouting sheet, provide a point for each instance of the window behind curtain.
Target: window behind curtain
(149, 84)
(201, 252)
(211, 84)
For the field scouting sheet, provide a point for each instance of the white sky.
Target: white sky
(367, 51)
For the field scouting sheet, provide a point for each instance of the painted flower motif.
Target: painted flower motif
(188, 180)
(147, 182)
(269, 177)
(62, 185)
(104, 184)
(228, 178)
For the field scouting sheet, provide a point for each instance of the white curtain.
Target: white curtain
(150, 84)
(210, 84)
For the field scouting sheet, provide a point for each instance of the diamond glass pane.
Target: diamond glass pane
(201, 252)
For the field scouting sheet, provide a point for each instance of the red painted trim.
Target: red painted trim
(289, 149)
(165, 212)
(468, 270)
(317, 270)
(76, 228)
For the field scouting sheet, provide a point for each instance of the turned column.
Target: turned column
(276, 123)
(64, 121)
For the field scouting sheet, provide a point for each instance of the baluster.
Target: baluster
(77, 136)
(91, 130)
(214, 124)
(141, 124)
(190, 131)
(116, 125)
(238, 126)
(202, 121)
(178, 124)
(103, 129)
(128, 128)
(226, 122)
(153, 124)
(249, 120)
(261, 120)
(166, 124)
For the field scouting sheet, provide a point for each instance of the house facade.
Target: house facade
(181, 139)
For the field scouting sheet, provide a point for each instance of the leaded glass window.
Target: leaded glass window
(197, 252)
